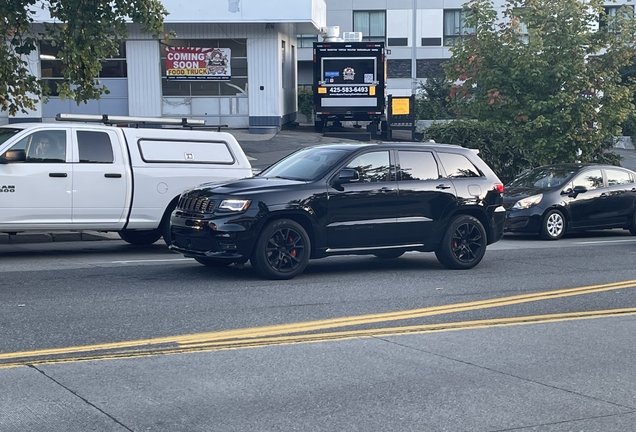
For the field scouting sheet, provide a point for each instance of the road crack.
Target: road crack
(86, 401)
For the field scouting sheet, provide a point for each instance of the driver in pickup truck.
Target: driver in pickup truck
(46, 148)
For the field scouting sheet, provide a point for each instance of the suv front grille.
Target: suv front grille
(196, 205)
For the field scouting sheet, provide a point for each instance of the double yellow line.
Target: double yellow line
(315, 330)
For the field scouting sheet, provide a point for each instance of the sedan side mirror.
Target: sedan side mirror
(576, 191)
(13, 156)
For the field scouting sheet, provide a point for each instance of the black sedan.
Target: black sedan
(554, 199)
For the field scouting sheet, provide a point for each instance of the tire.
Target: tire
(632, 227)
(389, 254)
(211, 262)
(464, 243)
(164, 227)
(319, 125)
(553, 225)
(140, 238)
(282, 250)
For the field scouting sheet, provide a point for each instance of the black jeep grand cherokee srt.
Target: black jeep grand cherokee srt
(382, 199)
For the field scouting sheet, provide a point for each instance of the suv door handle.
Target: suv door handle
(112, 175)
(604, 195)
(442, 186)
(58, 175)
(386, 189)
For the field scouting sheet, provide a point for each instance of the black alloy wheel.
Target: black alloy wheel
(211, 262)
(464, 243)
(282, 250)
(553, 225)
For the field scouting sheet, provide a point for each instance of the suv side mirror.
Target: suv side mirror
(348, 175)
(13, 156)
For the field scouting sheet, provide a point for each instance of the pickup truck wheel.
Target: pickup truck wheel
(464, 243)
(282, 250)
(164, 227)
(211, 262)
(140, 238)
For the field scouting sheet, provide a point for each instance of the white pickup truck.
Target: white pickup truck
(98, 177)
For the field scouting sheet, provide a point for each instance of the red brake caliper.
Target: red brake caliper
(293, 251)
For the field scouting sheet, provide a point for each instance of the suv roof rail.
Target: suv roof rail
(114, 120)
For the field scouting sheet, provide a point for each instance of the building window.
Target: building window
(454, 26)
(372, 25)
(398, 42)
(306, 40)
(237, 85)
(608, 20)
(51, 67)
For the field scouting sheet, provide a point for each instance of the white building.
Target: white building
(418, 34)
(253, 87)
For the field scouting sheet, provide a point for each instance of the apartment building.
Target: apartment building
(418, 35)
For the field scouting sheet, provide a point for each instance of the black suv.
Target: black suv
(382, 199)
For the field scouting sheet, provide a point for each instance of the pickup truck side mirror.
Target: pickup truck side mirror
(13, 156)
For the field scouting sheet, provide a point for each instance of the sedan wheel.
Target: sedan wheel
(553, 226)
(464, 243)
(282, 250)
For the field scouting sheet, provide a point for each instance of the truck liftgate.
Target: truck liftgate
(349, 84)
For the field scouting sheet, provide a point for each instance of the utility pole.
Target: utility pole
(414, 50)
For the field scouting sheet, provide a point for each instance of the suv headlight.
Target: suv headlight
(525, 203)
(235, 205)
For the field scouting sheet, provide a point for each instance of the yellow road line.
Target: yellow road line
(321, 337)
(285, 329)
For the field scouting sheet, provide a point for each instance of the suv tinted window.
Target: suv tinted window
(458, 166)
(617, 177)
(417, 165)
(94, 147)
(372, 166)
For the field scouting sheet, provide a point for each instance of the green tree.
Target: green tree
(433, 100)
(86, 33)
(547, 73)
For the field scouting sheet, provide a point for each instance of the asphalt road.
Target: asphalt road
(538, 337)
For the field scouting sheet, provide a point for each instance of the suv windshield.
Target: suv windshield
(543, 177)
(6, 133)
(306, 164)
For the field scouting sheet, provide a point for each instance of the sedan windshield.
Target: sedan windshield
(543, 177)
(306, 164)
(6, 133)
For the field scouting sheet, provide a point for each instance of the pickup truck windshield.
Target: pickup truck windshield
(307, 164)
(6, 133)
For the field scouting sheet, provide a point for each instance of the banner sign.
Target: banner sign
(191, 63)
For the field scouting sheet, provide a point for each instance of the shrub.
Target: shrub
(491, 141)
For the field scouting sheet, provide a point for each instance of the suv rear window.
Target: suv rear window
(458, 166)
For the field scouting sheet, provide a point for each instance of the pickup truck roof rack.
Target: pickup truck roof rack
(115, 120)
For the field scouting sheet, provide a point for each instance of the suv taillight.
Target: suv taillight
(499, 187)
